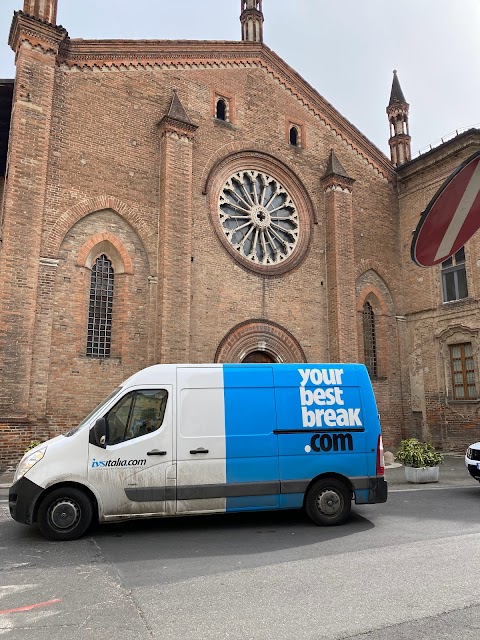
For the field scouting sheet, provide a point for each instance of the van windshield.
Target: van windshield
(97, 408)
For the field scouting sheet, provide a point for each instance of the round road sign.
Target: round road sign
(452, 216)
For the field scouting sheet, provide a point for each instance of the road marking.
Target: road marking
(463, 209)
(446, 488)
(29, 607)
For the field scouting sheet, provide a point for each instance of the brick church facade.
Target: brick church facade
(193, 201)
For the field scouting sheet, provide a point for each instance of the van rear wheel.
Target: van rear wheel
(65, 514)
(328, 502)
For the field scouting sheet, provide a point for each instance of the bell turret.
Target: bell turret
(45, 10)
(251, 18)
(397, 112)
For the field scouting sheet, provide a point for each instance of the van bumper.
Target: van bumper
(22, 498)
(370, 490)
(378, 490)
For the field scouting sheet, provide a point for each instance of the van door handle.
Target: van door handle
(156, 452)
(199, 450)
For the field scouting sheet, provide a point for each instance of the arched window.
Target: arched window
(221, 110)
(369, 340)
(294, 136)
(100, 308)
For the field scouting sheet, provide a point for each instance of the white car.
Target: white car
(472, 460)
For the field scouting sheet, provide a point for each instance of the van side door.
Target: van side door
(226, 447)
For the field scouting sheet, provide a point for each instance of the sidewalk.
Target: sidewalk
(453, 473)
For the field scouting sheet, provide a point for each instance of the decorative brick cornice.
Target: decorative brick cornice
(460, 144)
(399, 137)
(398, 109)
(166, 54)
(169, 125)
(36, 32)
(337, 183)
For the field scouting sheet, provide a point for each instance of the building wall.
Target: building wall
(107, 185)
(111, 171)
(433, 325)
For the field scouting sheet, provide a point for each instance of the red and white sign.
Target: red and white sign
(451, 218)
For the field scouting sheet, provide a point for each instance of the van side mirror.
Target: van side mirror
(98, 433)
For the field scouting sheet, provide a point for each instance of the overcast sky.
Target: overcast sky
(346, 49)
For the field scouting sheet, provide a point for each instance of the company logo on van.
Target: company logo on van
(117, 463)
(328, 395)
(326, 442)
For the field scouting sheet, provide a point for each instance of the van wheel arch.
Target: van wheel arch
(322, 476)
(73, 485)
(328, 499)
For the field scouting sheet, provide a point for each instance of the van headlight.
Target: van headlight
(28, 461)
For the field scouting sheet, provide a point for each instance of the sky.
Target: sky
(346, 49)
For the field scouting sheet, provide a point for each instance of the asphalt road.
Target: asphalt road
(404, 569)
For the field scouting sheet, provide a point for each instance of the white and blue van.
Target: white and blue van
(196, 439)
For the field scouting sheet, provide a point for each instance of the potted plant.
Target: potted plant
(420, 459)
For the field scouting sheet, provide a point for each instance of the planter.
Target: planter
(421, 475)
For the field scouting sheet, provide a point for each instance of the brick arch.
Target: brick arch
(373, 282)
(69, 218)
(371, 293)
(383, 307)
(102, 240)
(259, 335)
(372, 265)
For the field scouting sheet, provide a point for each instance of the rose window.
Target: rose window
(258, 218)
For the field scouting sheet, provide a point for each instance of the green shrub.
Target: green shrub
(413, 453)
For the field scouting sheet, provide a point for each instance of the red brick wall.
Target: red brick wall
(432, 324)
(107, 172)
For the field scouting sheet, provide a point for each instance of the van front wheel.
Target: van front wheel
(328, 502)
(65, 514)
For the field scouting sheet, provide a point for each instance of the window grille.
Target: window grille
(369, 340)
(463, 371)
(454, 277)
(100, 309)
